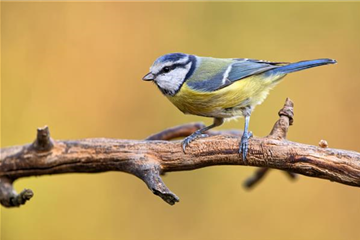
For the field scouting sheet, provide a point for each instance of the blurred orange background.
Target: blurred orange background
(77, 67)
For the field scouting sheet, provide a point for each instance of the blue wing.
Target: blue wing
(247, 67)
(235, 71)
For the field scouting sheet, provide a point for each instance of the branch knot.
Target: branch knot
(43, 141)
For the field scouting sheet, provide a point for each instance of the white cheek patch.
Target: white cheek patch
(173, 80)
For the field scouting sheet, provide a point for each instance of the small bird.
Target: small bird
(220, 88)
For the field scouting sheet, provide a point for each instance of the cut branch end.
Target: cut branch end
(9, 197)
(43, 141)
(281, 126)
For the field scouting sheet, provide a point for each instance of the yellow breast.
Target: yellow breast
(226, 102)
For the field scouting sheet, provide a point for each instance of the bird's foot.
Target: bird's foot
(185, 143)
(244, 144)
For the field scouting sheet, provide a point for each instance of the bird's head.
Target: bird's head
(170, 71)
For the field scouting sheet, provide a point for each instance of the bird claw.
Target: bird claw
(244, 144)
(185, 143)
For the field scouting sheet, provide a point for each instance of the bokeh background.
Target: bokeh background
(77, 67)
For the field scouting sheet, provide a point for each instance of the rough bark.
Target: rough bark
(148, 159)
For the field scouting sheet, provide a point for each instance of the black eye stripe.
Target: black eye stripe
(168, 69)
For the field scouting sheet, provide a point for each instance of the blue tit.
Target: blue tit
(220, 88)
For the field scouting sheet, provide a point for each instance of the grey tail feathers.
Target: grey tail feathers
(298, 66)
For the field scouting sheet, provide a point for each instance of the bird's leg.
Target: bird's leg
(200, 133)
(243, 148)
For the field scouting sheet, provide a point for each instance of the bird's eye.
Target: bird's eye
(166, 69)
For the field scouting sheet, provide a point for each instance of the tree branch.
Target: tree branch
(150, 158)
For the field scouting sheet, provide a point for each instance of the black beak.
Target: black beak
(149, 77)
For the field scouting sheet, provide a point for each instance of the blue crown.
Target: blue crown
(171, 57)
